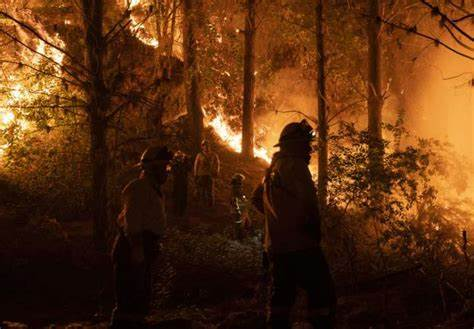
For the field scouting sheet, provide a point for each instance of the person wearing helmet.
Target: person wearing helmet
(239, 203)
(287, 197)
(141, 224)
(206, 169)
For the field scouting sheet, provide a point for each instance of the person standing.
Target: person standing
(206, 169)
(141, 224)
(238, 206)
(287, 197)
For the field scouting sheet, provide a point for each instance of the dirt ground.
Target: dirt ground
(51, 277)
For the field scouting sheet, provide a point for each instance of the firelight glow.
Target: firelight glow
(233, 138)
(19, 92)
(137, 28)
(7, 117)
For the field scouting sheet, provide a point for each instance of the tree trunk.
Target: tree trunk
(397, 73)
(375, 101)
(97, 99)
(169, 51)
(322, 111)
(249, 83)
(191, 74)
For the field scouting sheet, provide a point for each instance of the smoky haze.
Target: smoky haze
(440, 100)
(438, 97)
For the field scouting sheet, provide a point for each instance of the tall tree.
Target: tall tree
(98, 102)
(85, 88)
(191, 72)
(322, 110)
(165, 21)
(249, 82)
(375, 100)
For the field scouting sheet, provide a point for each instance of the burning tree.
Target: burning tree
(84, 90)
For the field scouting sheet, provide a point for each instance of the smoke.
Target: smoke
(440, 100)
(292, 98)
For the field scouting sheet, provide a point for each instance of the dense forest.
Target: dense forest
(87, 85)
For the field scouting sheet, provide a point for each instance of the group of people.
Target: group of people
(286, 196)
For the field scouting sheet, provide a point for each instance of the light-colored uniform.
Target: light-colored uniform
(142, 222)
(206, 164)
(143, 209)
(206, 168)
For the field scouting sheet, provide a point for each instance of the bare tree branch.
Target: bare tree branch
(66, 106)
(37, 92)
(310, 118)
(457, 39)
(460, 19)
(39, 36)
(122, 28)
(413, 29)
(42, 72)
(125, 15)
(344, 109)
(458, 7)
(63, 67)
(437, 11)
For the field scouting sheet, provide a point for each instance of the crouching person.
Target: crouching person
(141, 225)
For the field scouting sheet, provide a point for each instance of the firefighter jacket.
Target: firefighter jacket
(207, 164)
(143, 209)
(287, 197)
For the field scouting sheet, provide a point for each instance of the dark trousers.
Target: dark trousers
(205, 185)
(132, 284)
(180, 196)
(307, 269)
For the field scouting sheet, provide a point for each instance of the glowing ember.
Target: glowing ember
(234, 139)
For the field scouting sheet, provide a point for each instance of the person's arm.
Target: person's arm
(305, 190)
(257, 198)
(133, 216)
(217, 165)
(196, 164)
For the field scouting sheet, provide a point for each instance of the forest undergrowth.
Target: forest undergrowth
(388, 262)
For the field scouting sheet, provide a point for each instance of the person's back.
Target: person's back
(288, 199)
(141, 224)
(143, 208)
(291, 206)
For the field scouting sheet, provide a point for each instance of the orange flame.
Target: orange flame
(232, 138)
(20, 92)
(137, 27)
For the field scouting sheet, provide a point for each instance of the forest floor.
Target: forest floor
(52, 278)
